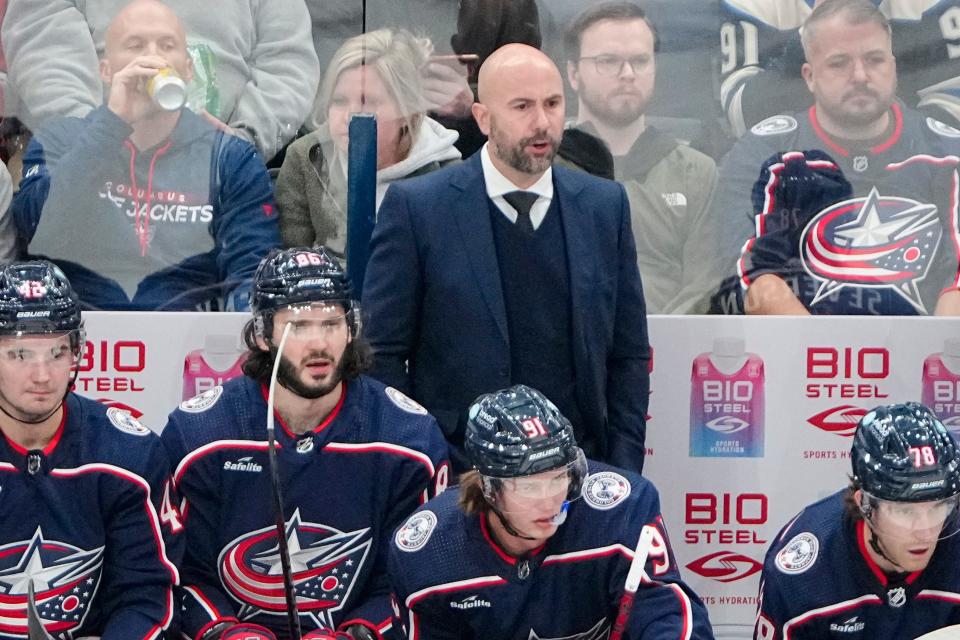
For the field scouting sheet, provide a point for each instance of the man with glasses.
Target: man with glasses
(878, 559)
(354, 459)
(611, 66)
(539, 541)
(86, 520)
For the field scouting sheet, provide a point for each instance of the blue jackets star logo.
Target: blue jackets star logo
(873, 242)
(324, 561)
(65, 581)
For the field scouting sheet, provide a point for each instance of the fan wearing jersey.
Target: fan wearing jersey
(849, 207)
(354, 458)
(539, 541)
(878, 559)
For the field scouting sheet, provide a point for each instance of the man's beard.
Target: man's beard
(863, 117)
(287, 376)
(518, 158)
(618, 118)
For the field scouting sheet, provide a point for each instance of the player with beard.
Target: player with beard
(355, 458)
(509, 269)
(878, 559)
(611, 66)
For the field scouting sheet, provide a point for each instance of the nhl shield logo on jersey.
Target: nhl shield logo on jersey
(65, 580)
(202, 402)
(605, 490)
(125, 422)
(875, 242)
(404, 402)
(774, 125)
(413, 535)
(599, 631)
(799, 554)
(897, 597)
(324, 561)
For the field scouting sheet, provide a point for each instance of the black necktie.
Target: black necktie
(522, 201)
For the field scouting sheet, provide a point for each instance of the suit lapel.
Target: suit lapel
(476, 234)
(580, 233)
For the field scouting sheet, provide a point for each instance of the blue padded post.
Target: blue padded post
(361, 195)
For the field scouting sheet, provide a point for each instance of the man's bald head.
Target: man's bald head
(507, 61)
(140, 12)
(520, 109)
(145, 28)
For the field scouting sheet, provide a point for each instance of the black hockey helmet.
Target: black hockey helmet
(518, 432)
(300, 276)
(36, 298)
(903, 453)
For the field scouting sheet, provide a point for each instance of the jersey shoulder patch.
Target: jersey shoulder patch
(405, 402)
(125, 422)
(605, 490)
(799, 554)
(202, 402)
(416, 531)
(942, 128)
(774, 125)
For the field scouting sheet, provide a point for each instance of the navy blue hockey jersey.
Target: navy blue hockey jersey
(346, 486)
(453, 582)
(88, 519)
(854, 231)
(819, 583)
(761, 56)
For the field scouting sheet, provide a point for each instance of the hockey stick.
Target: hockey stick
(634, 574)
(35, 630)
(289, 591)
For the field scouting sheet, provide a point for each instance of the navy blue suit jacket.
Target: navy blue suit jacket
(435, 314)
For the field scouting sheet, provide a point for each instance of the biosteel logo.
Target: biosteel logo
(725, 566)
(841, 420)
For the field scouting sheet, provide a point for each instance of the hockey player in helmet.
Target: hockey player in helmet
(538, 542)
(354, 458)
(878, 558)
(85, 487)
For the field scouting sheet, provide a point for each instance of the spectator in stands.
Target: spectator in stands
(761, 55)
(380, 73)
(255, 69)
(508, 269)
(475, 27)
(142, 207)
(611, 67)
(685, 107)
(856, 206)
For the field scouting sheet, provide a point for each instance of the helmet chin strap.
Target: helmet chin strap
(73, 381)
(875, 545)
(558, 519)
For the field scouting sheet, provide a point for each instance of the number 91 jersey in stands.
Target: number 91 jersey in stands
(346, 485)
(452, 581)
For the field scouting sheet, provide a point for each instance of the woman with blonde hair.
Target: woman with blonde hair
(377, 72)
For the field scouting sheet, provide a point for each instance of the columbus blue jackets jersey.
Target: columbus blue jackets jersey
(854, 231)
(85, 519)
(453, 582)
(761, 56)
(819, 582)
(346, 486)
